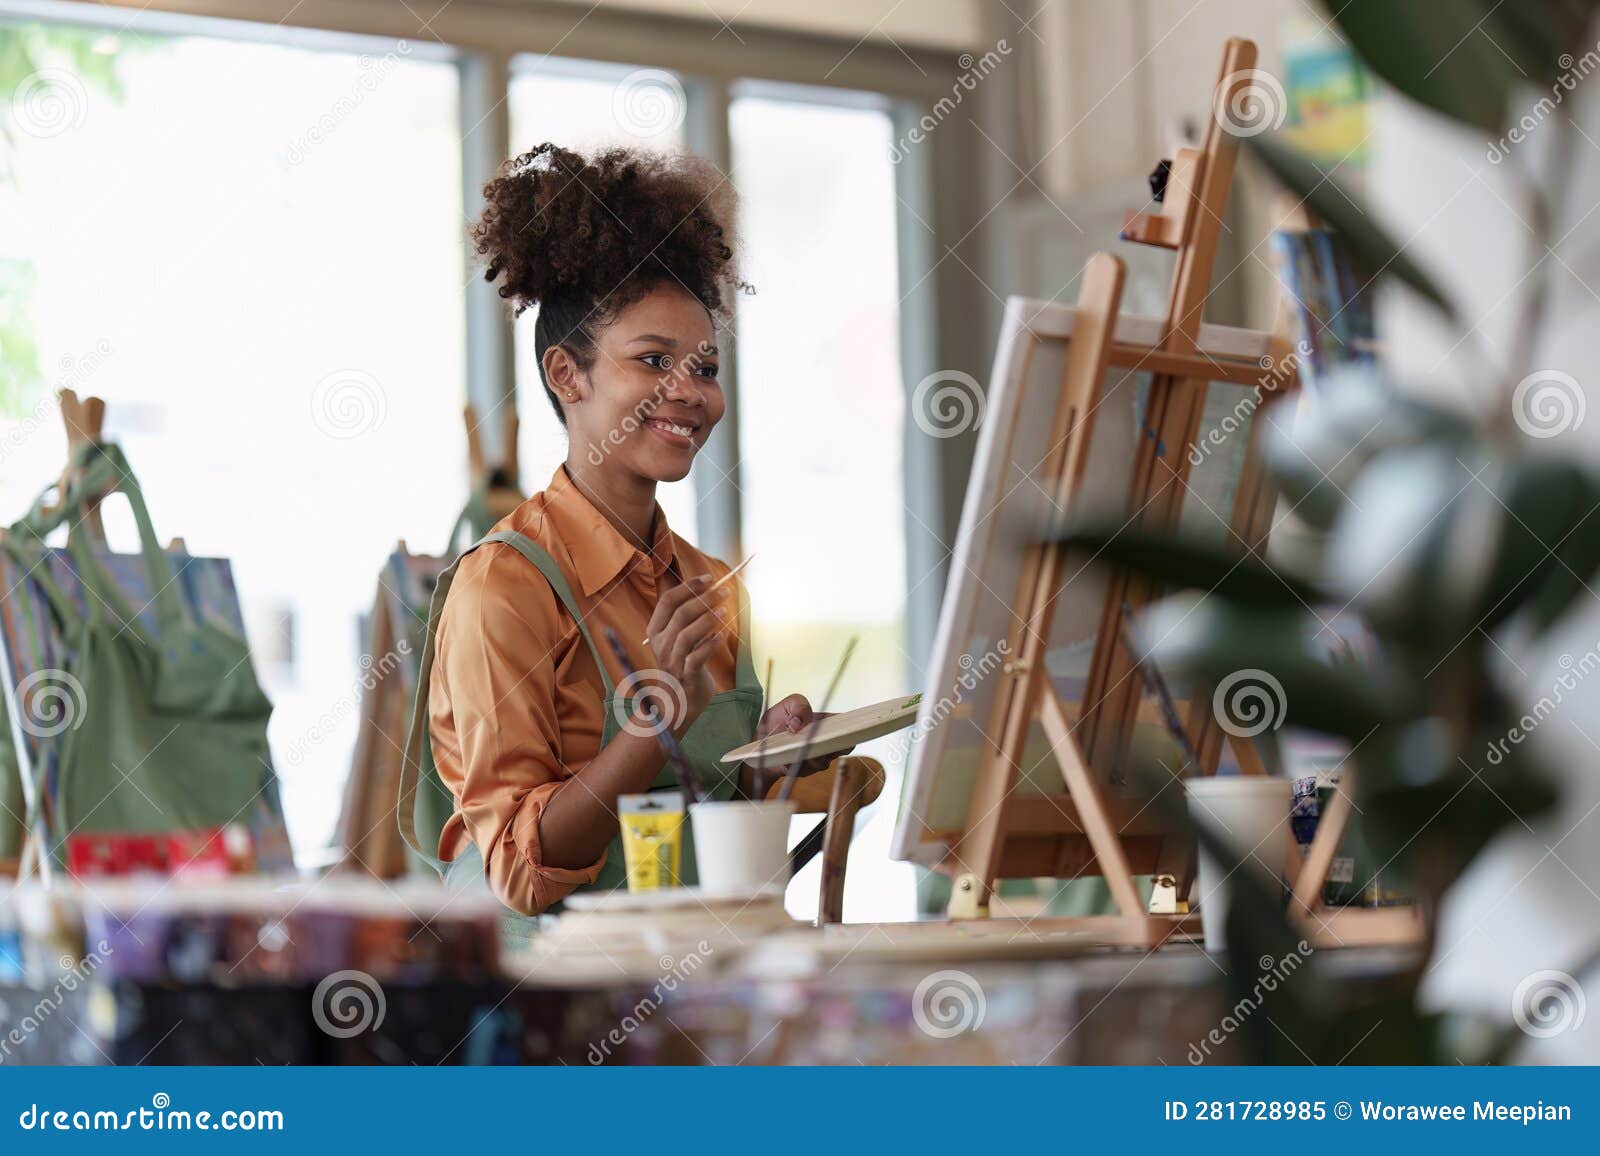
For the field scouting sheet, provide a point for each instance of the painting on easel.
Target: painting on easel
(1140, 422)
(1009, 508)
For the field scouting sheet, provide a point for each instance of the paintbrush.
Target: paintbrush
(669, 742)
(720, 582)
(761, 752)
(1155, 684)
(793, 773)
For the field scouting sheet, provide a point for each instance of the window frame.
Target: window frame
(484, 39)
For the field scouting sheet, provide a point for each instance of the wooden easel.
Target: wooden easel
(1001, 836)
(500, 481)
(368, 836)
(84, 419)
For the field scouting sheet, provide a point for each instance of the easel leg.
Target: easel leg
(1086, 797)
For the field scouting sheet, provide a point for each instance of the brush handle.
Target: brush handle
(668, 741)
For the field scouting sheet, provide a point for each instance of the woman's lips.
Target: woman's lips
(669, 431)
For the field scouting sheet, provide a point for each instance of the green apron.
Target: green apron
(729, 720)
(167, 728)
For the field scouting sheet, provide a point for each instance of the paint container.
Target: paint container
(1251, 814)
(652, 839)
(742, 846)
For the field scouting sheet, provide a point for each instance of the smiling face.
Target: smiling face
(650, 397)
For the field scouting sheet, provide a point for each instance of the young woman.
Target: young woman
(535, 730)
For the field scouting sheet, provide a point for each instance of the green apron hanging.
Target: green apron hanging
(13, 804)
(729, 720)
(474, 518)
(171, 730)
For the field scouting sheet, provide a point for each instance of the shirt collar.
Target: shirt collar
(595, 548)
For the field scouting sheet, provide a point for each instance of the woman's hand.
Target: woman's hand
(682, 633)
(793, 715)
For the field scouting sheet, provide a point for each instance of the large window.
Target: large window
(254, 254)
(819, 368)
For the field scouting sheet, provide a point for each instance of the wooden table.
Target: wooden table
(719, 1007)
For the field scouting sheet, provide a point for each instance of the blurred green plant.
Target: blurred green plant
(32, 58)
(1440, 531)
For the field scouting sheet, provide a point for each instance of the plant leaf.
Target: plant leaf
(1185, 563)
(1369, 243)
(1452, 57)
(1548, 502)
(1260, 660)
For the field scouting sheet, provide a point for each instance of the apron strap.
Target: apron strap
(100, 469)
(417, 734)
(536, 554)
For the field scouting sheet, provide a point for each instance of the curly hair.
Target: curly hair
(583, 238)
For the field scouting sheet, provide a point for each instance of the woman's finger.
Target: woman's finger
(679, 643)
(696, 658)
(692, 610)
(788, 714)
(669, 602)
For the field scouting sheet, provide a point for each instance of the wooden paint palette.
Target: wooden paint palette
(833, 734)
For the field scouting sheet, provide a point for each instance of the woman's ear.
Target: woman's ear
(565, 379)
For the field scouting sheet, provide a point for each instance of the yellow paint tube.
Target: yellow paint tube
(652, 839)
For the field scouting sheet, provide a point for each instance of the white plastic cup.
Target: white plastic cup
(1249, 812)
(741, 846)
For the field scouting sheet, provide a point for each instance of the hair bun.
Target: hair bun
(601, 230)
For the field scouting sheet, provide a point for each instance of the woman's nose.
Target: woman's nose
(681, 386)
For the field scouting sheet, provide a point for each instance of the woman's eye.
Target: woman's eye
(661, 361)
(708, 371)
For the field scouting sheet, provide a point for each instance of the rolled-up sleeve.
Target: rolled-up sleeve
(492, 717)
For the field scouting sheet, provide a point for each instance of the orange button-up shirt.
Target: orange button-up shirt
(516, 704)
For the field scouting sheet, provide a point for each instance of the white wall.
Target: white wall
(1103, 88)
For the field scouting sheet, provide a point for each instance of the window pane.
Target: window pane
(820, 412)
(254, 254)
(586, 106)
